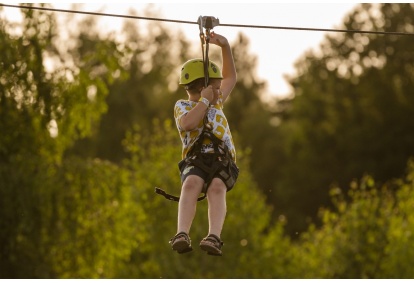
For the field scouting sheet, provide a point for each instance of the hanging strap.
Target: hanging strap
(205, 39)
(208, 23)
(174, 198)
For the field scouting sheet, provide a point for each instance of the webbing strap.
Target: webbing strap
(174, 198)
(207, 23)
(210, 170)
(206, 59)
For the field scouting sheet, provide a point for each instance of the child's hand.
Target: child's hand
(218, 39)
(208, 93)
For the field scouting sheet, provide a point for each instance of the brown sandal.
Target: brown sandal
(212, 245)
(181, 243)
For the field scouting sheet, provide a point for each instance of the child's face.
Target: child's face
(216, 84)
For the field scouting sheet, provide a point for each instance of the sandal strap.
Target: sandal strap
(214, 239)
(179, 235)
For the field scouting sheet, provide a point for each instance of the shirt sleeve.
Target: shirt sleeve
(181, 108)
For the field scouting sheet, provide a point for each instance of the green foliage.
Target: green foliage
(81, 152)
(400, 250)
(245, 111)
(140, 95)
(368, 236)
(94, 226)
(245, 228)
(349, 114)
(50, 210)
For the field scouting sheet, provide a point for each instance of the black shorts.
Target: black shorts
(228, 171)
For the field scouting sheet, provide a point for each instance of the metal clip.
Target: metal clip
(200, 25)
(209, 126)
(208, 22)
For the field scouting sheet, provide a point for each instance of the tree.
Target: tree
(154, 163)
(58, 213)
(142, 89)
(349, 114)
(365, 236)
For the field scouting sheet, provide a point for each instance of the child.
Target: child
(209, 154)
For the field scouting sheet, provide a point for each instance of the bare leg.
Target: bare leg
(190, 191)
(216, 196)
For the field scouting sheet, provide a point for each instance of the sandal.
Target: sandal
(181, 243)
(212, 245)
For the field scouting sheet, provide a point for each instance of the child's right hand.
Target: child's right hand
(208, 93)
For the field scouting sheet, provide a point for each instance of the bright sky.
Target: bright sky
(276, 50)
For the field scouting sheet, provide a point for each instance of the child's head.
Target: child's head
(192, 74)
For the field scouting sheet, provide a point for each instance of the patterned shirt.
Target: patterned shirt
(216, 118)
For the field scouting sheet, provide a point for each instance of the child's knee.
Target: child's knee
(217, 187)
(192, 182)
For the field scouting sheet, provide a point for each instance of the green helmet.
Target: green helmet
(194, 69)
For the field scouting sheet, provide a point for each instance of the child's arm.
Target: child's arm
(228, 69)
(191, 120)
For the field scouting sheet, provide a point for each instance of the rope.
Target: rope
(192, 22)
(95, 13)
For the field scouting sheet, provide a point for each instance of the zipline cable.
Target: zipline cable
(196, 23)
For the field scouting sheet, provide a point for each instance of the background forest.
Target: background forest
(326, 188)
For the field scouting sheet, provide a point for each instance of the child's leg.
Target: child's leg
(190, 191)
(216, 196)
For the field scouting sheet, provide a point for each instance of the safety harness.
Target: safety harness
(220, 160)
(221, 153)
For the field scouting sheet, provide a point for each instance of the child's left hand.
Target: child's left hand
(218, 39)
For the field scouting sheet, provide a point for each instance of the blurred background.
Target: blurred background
(321, 121)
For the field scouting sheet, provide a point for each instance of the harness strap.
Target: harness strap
(219, 146)
(210, 170)
(191, 159)
(174, 198)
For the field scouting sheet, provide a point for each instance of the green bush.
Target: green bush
(369, 235)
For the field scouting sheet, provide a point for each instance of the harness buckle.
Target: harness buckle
(209, 126)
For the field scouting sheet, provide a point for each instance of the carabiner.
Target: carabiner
(200, 25)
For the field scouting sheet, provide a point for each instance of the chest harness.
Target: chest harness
(207, 161)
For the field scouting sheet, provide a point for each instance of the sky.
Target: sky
(276, 49)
